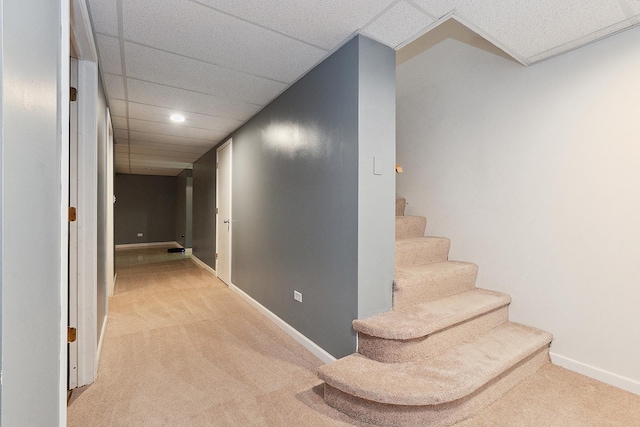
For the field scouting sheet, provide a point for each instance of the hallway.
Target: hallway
(181, 349)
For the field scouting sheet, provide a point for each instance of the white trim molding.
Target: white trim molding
(203, 265)
(314, 348)
(148, 245)
(596, 373)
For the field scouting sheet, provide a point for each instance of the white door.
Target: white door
(223, 217)
(73, 226)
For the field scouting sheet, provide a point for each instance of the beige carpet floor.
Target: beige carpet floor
(181, 349)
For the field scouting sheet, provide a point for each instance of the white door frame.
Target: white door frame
(73, 228)
(229, 144)
(87, 186)
(111, 281)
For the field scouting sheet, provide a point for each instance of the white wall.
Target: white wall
(35, 81)
(534, 173)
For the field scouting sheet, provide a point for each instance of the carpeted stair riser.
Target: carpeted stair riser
(425, 283)
(421, 250)
(440, 415)
(400, 206)
(422, 330)
(412, 350)
(410, 226)
(446, 377)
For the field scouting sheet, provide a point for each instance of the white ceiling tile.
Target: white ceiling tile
(200, 32)
(398, 24)
(169, 139)
(533, 27)
(158, 163)
(122, 148)
(579, 42)
(119, 122)
(104, 16)
(173, 154)
(184, 100)
(117, 107)
(174, 129)
(167, 157)
(114, 86)
(439, 8)
(121, 133)
(322, 23)
(159, 114)
(155, 145)
(157, 66)
(109, 49)
(632, 5)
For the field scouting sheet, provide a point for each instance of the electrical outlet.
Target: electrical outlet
(140, 234)
(297, 296)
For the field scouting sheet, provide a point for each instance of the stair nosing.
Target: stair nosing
(412, 239)
(363, 326)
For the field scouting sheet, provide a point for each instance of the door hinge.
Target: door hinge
(72, 214)
(216, 256)
(71, 334)
(73, 94)
(217, 211)
(217, 165)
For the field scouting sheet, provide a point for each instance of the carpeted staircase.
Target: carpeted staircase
(445, 351)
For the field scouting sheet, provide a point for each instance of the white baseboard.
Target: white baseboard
(203, 265)
(112, 288)
(100, 341)
(314, 348)
(596, 373)
(147, 245)
(188, 251)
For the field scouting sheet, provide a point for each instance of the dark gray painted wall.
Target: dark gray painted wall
(204, 208)
(295, 203)
(184, 208)
(181, 208)
(32, 201)
(295, 187)
(189, 208)
(146, 204)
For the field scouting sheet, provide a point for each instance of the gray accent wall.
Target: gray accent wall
(145, 204)
(297, 170)
(204, 208)
(32, 220)
(184, 207)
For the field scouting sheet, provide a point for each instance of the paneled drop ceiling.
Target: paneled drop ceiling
(218, 62)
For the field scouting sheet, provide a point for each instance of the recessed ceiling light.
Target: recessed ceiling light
(178, 118)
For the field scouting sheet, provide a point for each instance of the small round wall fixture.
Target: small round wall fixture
(178, 118)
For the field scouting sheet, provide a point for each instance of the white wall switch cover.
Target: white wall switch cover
(377, 167)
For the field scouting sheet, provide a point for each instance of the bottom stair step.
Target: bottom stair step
(443, 389)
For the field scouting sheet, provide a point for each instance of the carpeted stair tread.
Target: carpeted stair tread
(401, 203)
(410, 226)
(446, 377)
(419, 320)
(421, 250)
(423, 283)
